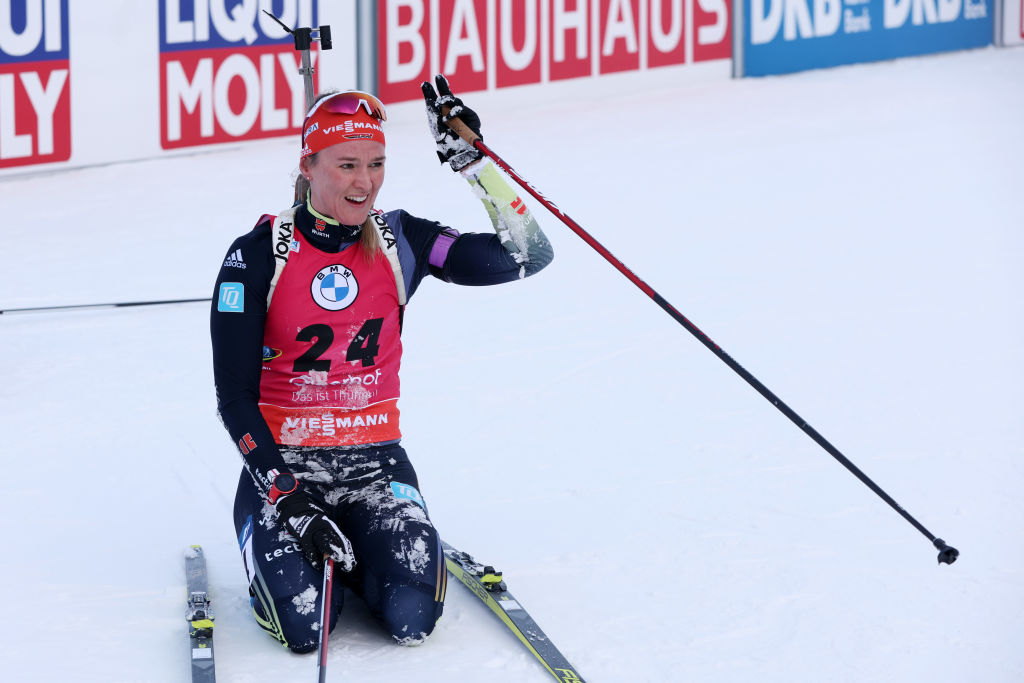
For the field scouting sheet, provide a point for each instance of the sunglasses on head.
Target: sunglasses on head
(349, 103)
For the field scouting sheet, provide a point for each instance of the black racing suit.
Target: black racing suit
(370, 491)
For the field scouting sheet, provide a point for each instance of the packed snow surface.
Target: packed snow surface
(854, 237)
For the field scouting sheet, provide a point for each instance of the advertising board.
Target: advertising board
(782, 36)
(489, 44)
(230, 72)
(35, 82)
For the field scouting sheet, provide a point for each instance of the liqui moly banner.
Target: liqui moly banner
(230, 72)
(781, 36)
(35, 82)
(488, 44)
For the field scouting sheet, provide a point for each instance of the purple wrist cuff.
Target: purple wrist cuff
(439, 252)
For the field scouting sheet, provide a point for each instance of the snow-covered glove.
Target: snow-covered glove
(316, 533)
(450, 147)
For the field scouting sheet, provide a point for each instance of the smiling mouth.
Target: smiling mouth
(357, 199)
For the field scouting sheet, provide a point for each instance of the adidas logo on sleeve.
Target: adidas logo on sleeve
(234, 260)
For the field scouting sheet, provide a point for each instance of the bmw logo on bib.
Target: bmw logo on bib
(334, 288)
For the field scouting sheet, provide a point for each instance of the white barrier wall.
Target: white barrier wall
(86, 82)
(1012, 30)
(93, 82)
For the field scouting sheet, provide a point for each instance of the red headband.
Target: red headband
(344, 117)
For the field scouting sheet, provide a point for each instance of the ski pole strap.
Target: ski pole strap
(283, 234)
(389, 245)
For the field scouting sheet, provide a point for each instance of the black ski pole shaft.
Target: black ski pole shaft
(325, 617)
(947, 554)
(116, 304)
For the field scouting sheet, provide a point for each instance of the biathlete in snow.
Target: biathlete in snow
(306, 326)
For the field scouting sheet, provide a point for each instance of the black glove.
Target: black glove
(316, 533)
(450, 147)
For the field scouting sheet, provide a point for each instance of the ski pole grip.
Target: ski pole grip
(460, 128)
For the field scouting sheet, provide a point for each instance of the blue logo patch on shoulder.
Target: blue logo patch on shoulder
(404, 491)
(246, 534)
(232, 297)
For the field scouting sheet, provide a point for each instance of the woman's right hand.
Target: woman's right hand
(316, 533)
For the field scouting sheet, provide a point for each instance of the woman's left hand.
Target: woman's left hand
(450, 147)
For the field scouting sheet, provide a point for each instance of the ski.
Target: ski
(487, 584)
(199, 616)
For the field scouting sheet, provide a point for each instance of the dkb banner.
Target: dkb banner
(782, 36)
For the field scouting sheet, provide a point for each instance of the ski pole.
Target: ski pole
(325, 615)
(116, 304)
(947, 554)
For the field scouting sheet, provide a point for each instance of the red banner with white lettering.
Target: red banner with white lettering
(488, 44)
(35, 83)
(230, 73)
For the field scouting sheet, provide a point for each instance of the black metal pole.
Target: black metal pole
(304, 39)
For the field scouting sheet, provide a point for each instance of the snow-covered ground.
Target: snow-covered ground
(854, 237)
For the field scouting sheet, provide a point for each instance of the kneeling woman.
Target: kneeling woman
(306, 325)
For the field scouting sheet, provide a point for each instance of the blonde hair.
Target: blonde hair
(369, 240)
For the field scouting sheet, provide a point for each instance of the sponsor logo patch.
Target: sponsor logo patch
(246, 444)
(234, 260)
(406, 492)
(320, 228)
(334, 288)
(231, 298)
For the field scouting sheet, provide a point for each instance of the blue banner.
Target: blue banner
(33, 31)
(203, 24)
(782, 36)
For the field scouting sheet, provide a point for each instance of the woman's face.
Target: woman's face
(345, 178)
